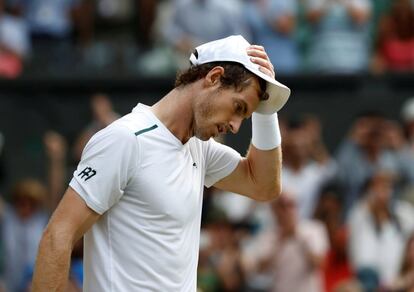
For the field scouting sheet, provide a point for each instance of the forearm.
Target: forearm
(52, 264)
(265, 156)
(265, 170)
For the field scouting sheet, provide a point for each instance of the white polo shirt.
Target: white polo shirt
(148, 187)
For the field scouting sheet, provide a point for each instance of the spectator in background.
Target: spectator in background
(395, 45)
(102, 115)
(361, 153)
(193, 22)
(397, 143)
(407, 152)
(22, 222)
(379, 227)
(405, 278)
(146, 10)
(52, 24)
(22, 225)
(2, 168)
(207, 276)
(125, 16)
(56, 151)
(227, 258)
(337, 268)
(291, 254)
(339, 35)
(307, 165)
(14, 43)
(374, 142)
(55, 19)
(407, 115)
(379, 9)
(272, 24)
(220, 267)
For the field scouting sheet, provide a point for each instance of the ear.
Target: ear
(213, 76)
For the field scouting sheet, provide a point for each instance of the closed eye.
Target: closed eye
(240, 108)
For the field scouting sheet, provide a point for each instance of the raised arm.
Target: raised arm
(258, 175)
(69, 222)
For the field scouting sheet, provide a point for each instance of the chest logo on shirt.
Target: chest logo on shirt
(87, 173)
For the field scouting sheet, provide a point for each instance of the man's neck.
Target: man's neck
(175, 111)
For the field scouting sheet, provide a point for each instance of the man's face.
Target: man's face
(224, 109)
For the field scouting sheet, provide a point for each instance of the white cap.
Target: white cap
(234, 49)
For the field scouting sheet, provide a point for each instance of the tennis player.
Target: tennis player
(137, 192)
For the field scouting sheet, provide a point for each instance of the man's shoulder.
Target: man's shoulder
(120, 132)
(134, 123)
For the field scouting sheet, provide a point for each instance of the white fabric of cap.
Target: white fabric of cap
(234, 49)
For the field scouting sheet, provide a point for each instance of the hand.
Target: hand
(258, 56)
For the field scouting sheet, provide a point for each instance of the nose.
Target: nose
(235, 125)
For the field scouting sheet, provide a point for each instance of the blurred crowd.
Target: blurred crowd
(344, 221)
(155, 37)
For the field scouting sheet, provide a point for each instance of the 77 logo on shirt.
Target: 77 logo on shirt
(87, 173)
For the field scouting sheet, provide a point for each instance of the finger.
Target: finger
(258, 50)
(267, 72)
(263, 63)
(256, 47)
(257, 53)
(261, 55)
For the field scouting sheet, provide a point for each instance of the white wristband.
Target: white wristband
(265, 131)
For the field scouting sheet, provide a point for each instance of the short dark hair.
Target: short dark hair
(235, 75)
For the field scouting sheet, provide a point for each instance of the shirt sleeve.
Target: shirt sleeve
(108, 162)
(220, 161)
